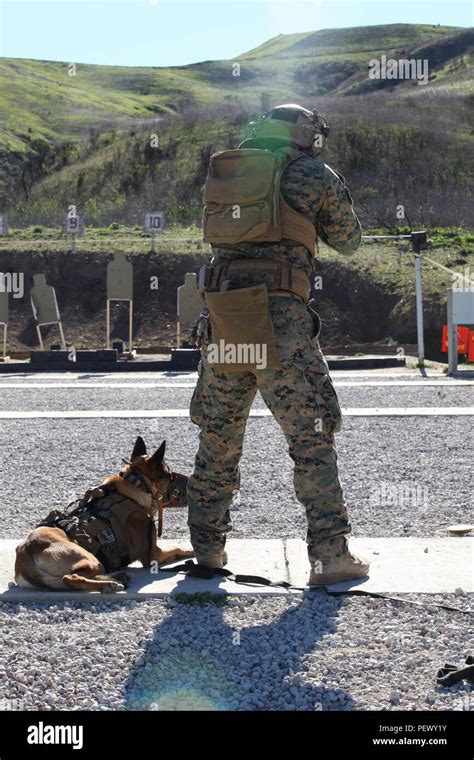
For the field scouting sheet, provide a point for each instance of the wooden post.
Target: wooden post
(63, 339)
(40, 338)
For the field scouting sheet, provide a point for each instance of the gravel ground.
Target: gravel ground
(254, 653)
(61, 399)
(54, 462)
(289, 652)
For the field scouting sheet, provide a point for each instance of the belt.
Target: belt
(277, 275)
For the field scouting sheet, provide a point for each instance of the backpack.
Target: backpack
(243, 200)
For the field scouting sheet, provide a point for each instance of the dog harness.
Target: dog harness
(98, 520)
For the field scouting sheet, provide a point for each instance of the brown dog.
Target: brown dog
(112, 527)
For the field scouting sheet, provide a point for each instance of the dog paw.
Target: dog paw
(111, 587)
(121, 576)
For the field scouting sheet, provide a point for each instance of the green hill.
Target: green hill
(357, 40)
(85, 138)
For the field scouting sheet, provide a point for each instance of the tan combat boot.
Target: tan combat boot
(348, 567)
(217, 561)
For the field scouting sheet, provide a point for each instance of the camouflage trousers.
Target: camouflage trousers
(301, 397)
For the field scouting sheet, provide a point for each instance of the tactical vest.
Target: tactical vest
(244, 203)
(98, 524)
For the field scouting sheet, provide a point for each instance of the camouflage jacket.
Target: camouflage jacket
(315, 190)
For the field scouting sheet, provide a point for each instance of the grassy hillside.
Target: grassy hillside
(361, 39)
(39, 100)
(386, 161)
(84, 139)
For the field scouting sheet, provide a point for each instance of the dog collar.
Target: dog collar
(136, 479)
(173, 496)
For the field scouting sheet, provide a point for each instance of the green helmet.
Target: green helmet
(292, 123)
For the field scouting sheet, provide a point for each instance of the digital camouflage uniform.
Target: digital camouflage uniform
(299, 394)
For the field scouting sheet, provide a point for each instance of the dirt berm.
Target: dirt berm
(354, 309)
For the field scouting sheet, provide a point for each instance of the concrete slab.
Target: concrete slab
(250, 556)
(400, 565)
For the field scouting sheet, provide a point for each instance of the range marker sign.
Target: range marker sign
(74, 223)
(154, 223)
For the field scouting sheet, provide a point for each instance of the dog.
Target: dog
(113, 526)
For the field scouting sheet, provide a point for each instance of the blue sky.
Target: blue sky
(177, 32)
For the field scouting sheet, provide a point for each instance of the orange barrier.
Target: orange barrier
(464, 340)
(470, 348)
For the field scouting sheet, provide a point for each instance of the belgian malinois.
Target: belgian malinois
(53, 557)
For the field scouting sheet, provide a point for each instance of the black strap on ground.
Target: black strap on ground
(451, 674)
(199, 571)
(206, 573)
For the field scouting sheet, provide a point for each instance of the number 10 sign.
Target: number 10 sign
(154, 223)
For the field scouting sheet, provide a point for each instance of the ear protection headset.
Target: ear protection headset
(294, 124)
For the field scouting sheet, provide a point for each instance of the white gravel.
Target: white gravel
(314, 652)
(29, 399)
(254, 653)
(54, 461)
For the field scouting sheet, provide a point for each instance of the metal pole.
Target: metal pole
(130, 326)
(4, 340)
(419, 311)
(63, 339)
(107, 322)
(384, 237)
(452, 336)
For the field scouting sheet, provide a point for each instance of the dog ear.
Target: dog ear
(159, 454)
(139, 449)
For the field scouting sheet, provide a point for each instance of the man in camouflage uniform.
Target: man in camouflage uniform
(299, 393)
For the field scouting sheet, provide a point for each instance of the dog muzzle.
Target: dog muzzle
(175, 494)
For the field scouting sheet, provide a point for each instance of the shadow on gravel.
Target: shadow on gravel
(209, 656)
